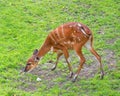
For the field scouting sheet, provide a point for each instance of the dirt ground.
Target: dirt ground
(44, 72)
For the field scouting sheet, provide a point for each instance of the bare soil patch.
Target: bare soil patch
(48, 77)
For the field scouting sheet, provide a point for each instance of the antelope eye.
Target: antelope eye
(29, 64)
(37, 59)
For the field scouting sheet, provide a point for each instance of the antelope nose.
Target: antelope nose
(25, 69)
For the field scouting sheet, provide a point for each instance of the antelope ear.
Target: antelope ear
(35, 52)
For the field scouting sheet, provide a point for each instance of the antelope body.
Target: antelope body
(69, 36)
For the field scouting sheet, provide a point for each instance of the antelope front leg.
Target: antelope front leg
(82, 61)
(70, 68)
(66, 54)
(58, 56)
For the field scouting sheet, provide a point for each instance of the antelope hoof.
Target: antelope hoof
(54, 67)
(75, 77)
(71, 74)
(102, 75)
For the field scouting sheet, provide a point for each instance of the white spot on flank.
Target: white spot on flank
(65, 42)
(70, 26)
(68, 42)
(79, 39)
(73, 35)
(72, 43)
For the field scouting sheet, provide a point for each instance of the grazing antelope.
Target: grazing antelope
(69, 36)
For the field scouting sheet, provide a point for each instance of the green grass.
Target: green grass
(24, 25)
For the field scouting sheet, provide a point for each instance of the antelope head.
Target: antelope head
(32, 62)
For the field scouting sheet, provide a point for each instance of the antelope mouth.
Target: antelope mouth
(25, 71)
